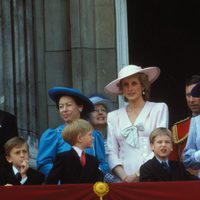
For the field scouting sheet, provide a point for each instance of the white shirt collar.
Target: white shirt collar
(160, 161)
(15, 170)
(78, 150)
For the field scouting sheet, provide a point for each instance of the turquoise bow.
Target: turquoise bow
(131, 136)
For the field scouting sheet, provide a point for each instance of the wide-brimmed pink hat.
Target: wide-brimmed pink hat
(113, 88)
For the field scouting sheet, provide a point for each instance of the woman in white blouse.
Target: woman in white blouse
(129, 127)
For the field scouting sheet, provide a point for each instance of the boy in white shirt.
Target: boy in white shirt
(69, 166)
(18, 172)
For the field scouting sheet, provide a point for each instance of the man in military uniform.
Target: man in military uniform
(180, 129)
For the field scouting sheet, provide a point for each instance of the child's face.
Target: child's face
(162, 146)
(87, 139)
(18, 155)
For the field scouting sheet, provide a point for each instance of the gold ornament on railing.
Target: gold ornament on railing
(101, 189)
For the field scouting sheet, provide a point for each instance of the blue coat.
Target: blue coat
(51, 143)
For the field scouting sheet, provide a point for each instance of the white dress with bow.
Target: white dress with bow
(127, 143)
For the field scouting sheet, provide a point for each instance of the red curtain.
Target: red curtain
(117, 191)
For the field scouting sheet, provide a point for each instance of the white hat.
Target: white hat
(100, 100)
(152, 73)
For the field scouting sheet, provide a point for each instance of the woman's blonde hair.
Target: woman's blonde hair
(75, 128)
(144, 81)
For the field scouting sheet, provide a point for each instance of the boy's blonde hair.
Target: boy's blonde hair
(75, 128)
(14, 142)
(160, 131)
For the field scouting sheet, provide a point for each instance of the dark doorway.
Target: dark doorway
(166, 34)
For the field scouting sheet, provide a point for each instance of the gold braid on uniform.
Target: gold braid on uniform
(179, 142)
(176, 140)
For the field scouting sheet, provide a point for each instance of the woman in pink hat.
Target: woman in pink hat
(129, 127)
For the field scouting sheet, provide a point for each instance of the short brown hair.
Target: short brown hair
(73, 129)
(14, 142)
(159, 131)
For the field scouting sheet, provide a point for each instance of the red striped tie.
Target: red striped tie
(83, 159)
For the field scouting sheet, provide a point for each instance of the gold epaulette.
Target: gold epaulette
(183, 120)
(176, 139)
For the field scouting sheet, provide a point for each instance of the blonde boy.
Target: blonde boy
(75, 166)
(160, 168)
